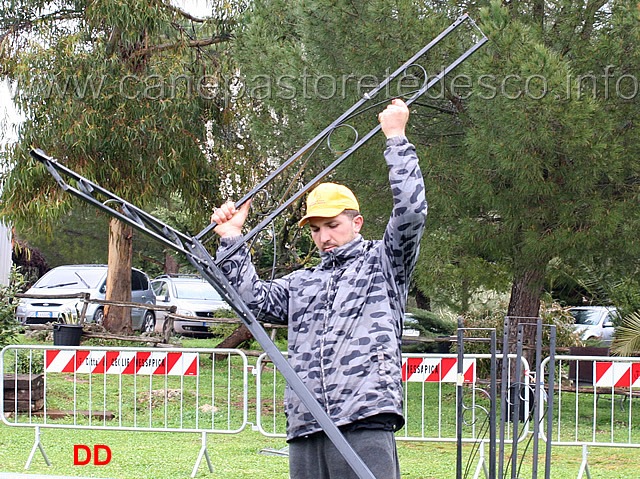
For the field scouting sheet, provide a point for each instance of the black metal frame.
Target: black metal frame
(350, 113)
(193, 246)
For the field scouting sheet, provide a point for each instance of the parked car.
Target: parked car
(83, 278)
(595, 322)
(192, 296)
(410, 325)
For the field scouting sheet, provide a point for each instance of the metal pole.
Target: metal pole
(214, 276)
(349, 113)
(36, 445)
(536, 399)
(551, 388)
(277, 211)
(515, 400)
(504, 402)
(459, 400)
(493, 406)
(206, 265)
(203, 453)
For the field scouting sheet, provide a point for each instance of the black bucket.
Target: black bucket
(67, 334)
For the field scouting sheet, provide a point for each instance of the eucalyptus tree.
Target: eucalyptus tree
(128, 94)
(529, 150)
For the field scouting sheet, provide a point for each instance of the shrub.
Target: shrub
(9, 325)
(552, 314)
(432, 325)
(429, 325)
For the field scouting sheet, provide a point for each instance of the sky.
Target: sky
(9, 116)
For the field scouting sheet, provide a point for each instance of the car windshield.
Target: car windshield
(586, 316)
(72, 279)
(196, 290)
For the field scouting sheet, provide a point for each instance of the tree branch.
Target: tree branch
(590, 16)
(64, 14)
(186, 15)
(448, 111)
(191, 44)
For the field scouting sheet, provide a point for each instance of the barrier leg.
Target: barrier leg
(203, 452)
(584, 467)
(37, 445)
(482, 464)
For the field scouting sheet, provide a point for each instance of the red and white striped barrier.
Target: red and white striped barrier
(617, 375)
(122, 362)
(444, 370)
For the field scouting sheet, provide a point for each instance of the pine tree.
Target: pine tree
(529, 150)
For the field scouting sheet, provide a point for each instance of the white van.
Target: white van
(83, 278)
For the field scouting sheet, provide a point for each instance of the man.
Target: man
(344, 315)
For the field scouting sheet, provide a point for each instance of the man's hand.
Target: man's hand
(229, 219)
(394, 118)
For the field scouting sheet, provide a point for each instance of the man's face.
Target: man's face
(330, 233)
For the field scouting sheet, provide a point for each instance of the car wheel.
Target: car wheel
(148, 323)
(98, 316)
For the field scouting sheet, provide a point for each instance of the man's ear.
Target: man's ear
(357, 223)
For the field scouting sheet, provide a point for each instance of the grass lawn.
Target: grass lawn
(154, 454)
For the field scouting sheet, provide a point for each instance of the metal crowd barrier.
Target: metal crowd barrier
(597, 403)
(141, 389)
(429, 398)
(206, 391)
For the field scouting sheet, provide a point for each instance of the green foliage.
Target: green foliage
(222, 330)
(551, 314)
(28, 363)
(525, 165)
(536, 160)
(452, 277)
(431, 324)
(121, 94)
(9, 325)
(617, 285)
(79, 237)
(627, 340)
(69, 317)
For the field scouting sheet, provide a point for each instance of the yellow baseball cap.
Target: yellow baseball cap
(328, 200)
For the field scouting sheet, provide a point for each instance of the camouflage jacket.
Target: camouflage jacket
(345, 315)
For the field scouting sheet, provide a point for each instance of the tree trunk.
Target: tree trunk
(171, 266)
(465, 296)
(524, 307)
(422, 301)
(235, 339)
(117, 319)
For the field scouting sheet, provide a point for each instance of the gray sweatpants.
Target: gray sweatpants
(317, 457)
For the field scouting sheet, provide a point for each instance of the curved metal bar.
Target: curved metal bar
(344, 125)
(473, 420)
(268, 199)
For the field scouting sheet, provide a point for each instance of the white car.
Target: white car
(409, 326)
(192, 296)
(595, 322)
(83, 278)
